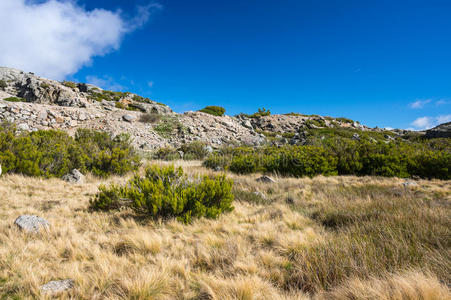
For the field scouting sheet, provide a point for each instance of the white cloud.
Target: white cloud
(106, 82)
(443, 119)
(423, 123)
(150, 84)
(429, 122)
(55, 38)
(442, 102)
(419, 103)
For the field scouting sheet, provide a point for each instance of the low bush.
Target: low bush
(14, 99)
(192, 151)
(340, 156)
(167, 153)
(214, 110)
(70, 84)
(166, 192)
(52, 153)
(150, 118)
(168, 125)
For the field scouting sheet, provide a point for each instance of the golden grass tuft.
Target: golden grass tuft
(320, 238)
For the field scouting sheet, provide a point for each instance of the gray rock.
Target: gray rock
(31, 224)
(74, 176)
(409, 183)
(266, 179)
(23, 126)
(129, 118)
(440, 131)
(356, 137)
(209, 149)
(57, 286)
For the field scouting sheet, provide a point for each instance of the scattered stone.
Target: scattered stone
(266, 179)
(23, 127)
(57, 286)
(31, 224)
(129, 118)
(74, 176)
(260, 194)
(356, 137)
(409, 183)
(209, 149)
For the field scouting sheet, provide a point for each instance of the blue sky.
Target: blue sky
(384, 63)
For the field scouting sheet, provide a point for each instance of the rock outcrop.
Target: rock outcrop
(35, 103)
(440, 131)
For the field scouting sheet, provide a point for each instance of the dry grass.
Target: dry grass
(325, 238)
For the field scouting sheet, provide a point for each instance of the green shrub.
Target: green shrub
(150, 118)
(3, 84)
(194, 150)
(14, 99)
(214, 110)
(262, 112)
(167, 153)
(52, 153)
(165, 192)
(342, 156)
(120, 105)
(70, 84)
(168, 125)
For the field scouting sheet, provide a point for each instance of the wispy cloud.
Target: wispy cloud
(419, 104)
(442, 102)
(429, 122)
(150, 84)
(105, 82)
(55, 38)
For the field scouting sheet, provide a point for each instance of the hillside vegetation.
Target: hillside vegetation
(342, 152)
(309, 238)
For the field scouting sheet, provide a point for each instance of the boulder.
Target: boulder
(129, 118)
(57, 286)
(23, 126)
(74, 176)
(266, 179)
(31, 224)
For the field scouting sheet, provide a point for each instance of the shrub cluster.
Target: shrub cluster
(168, 125)
(52, 153)
(192, 151)
(214, 110)
(339, 157)
(165, 192)
(70, 84)
(150, 118)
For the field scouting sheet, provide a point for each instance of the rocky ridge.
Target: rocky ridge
(34, 103)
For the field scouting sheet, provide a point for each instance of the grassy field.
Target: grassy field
(321, 238)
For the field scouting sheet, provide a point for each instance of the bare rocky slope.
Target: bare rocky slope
(35, 103)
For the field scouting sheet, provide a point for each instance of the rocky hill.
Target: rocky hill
(35, 103)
